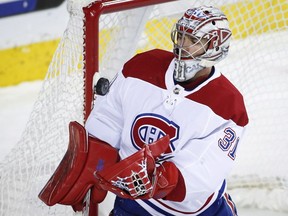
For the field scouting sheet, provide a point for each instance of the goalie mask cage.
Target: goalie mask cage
(257, 64)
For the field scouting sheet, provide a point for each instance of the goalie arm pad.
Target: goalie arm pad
(137, 177)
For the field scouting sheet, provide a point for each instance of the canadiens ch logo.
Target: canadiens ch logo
(149, 127)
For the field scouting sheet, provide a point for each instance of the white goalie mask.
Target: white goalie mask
(207, 30)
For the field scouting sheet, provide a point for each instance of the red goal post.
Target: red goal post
(100, 36)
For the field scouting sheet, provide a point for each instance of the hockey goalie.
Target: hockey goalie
(174, 120)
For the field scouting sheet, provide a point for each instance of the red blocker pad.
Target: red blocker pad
(74, 175)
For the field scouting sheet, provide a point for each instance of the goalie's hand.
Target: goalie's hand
(137, 176)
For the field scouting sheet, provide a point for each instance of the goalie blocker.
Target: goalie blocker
(74, 175)
(90, 163)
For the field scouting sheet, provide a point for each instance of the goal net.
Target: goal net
(105, 34)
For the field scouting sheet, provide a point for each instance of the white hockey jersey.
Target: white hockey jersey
(205, 125)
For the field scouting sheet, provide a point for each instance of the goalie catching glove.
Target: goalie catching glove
(138, 177)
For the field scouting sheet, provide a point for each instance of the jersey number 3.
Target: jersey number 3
(228, 142)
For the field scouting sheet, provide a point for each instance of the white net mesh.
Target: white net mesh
(256, 64)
